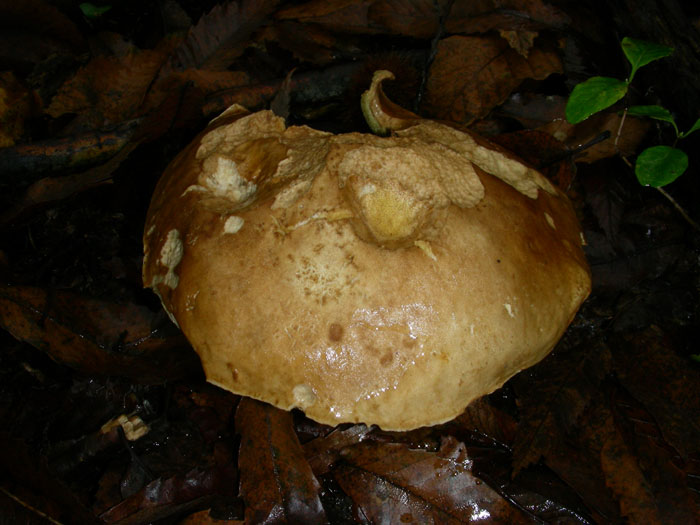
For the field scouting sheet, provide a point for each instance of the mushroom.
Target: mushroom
(365, 279)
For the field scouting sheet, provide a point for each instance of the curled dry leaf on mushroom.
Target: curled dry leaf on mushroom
(382, 280)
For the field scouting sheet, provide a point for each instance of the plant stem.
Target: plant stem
(619, 129)
(680, 209)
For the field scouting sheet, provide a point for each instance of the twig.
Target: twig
(680, 209)
(619, 130)
(29, 507)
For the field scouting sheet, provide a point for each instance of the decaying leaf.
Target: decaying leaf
(35, 29)
(521, 41)
(219, 36)
(345, 16)
(514, 15)
(661, 468)
(420, 18)
(94, 336)
(15, 108)
(669, 389)
(623, 140)
(109, 90)
(324, 451)
(165, 498)
(553, 395)
(471, 75)
(392, 483)
(277, 483)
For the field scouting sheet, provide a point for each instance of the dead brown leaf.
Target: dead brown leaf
(310, 42)
(552, 396)
(345, 16)
(623, 140)
(166, 498)
(16, 106)
(322, 452)
(481, 16)
(420, 18)
(416, 18)
(663, 470)
(277, 483)
(94, 336)
(392, 483)
(471, 75)
(521, 41)
(109, 90)
(626, 480)
(220, 36)
(34, 30)
(665, 383)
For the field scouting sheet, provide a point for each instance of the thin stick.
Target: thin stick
(680, 209)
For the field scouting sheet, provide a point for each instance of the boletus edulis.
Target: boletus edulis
(379, 280)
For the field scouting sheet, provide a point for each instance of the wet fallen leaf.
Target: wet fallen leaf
(110, 89)
(514, 15)
(420, 18)
(51, 189)
(552, 396)
(345, 16)
(661, 465)
(481, 416)
(310, 42)
(663, 381)
(416, 18)
(164, 498)
(277, 483)
(96, 337)
(623, 140)
(521, 41)
(16, 106)
(471, 75)
(35, 30)
(392, 483)
(219, 36)
(323, 452)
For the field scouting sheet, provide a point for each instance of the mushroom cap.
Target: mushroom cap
(386, 281)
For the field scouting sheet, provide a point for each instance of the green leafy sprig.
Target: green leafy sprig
(656, 166)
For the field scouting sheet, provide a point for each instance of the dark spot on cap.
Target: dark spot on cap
(335, 332)
(387, 358)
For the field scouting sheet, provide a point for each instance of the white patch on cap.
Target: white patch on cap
(290, 194)
(509, 309)
(170, 256)
(225, 180)
(550, 221)
(233, 224)
(304, 396)
(426, 248)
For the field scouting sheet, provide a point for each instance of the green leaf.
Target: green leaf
(655, 112)
(640, 52)
(592, 96)
(94, 11)
(660, 165)
(694, 127)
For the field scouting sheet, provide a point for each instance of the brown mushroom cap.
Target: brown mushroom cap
(386, 281)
